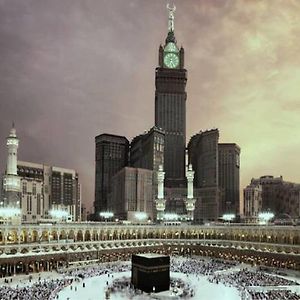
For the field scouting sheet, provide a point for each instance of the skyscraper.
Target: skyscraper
(229, 177)
(203, 155)
(165, 144)
(111, 157)
(170, 105)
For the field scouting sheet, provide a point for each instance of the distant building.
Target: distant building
(229, 177)
(45, 188)
(111, 157)
(132, 193)
(252, 201)
(278, 196)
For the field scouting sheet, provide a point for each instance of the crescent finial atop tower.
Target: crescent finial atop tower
(171, 17)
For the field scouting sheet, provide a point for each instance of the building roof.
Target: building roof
(151, 255)
(104, 135)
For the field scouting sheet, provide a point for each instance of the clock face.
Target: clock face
(171, 60)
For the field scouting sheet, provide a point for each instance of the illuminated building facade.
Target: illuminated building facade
(33, 248)
(48, 187)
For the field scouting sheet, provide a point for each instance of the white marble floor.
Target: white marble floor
(95, 289)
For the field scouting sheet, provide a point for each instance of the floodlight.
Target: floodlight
(265, 217)
(228, 217)
(9, 212)
(106, 214)
(58, 214)
(140, 215)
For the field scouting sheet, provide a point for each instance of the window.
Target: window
(24, 187)
(34, 189)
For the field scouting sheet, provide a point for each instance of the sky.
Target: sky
(72, 69)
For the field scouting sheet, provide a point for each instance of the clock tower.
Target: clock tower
(170, 105)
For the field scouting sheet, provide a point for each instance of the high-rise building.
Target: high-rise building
(147, 150)
(65, 191)
(45, 188)
(111, 157)
(165, 144)
(170, 105)
(229, 177)
(132, 193)
(203, 156)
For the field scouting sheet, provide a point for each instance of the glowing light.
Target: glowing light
(141, 216)
(9, 212)
(58, 214)
(106, 214)
(171, 217)
(228, 217)
(265, 217)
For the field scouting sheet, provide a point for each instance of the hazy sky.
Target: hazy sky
(72, 69)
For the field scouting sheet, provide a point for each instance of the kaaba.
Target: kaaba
(150, 272)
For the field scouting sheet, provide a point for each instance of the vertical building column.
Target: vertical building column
(160, 200)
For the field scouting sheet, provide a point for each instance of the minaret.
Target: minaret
(11, 181)
(160, 200)
(190, 201)
(12, 143)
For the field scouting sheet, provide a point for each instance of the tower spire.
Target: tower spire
(171, 36)
(171, 17)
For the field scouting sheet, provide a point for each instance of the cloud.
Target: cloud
(70, 70)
